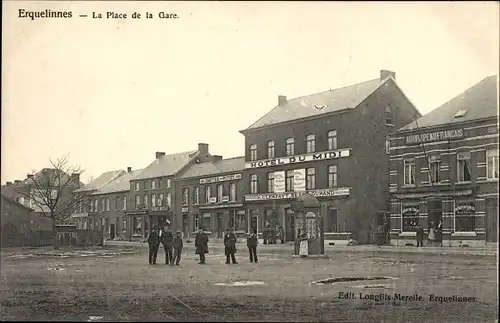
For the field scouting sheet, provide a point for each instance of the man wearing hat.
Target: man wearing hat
(177, 248)
(201, 244)
(154, 244)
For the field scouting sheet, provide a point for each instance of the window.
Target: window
(118, 202)
(96, 205)
(196, 222)
(310, 143)
(492, 164)
(124, 205)
(388, 115)
(153, 184)
(206, 221)
(169, 199)
(208, 193)
(387, 145)
(465, 217)
(332, 176)
(409, 171)
(137, 224)
(290, 146)
(146, 204)
(161, 200)
(270, 182)
(196, 195)
(137, 186)
(91, 224)
(232, 192)
(434, 166)
(107, 204)
(463, 167)
(253, 184)
(168, 183)
(253, 152)
(332, 220)
(332, 140)
(311, 178)
(237, 220)
(185, 196)
(220, 192)
(411, 218)
(160, 183)
(103, 204)
(153, 200)
(137, 201)
(270, 149)
(289, 181)
(124, 225)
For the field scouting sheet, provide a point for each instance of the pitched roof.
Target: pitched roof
(102, 180)
(222, 166)
(167, 165)
(119, 184)
(48, 175)
(348, 97)
(480, 101)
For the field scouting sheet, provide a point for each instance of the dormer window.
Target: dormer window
(460, 113)
(388, 115)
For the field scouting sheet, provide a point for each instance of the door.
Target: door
(112, 231)
(491, 222)
(290, 226)
(185, 225)
(219, 225)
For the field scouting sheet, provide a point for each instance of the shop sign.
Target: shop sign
(185, 209)
(279, 182)
(465, 209)
(434, 136)
(218, 179)
(333, 154)
(299, 180)
(292, 195)
(410, 211)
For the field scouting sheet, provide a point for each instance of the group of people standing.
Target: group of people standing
(435, 234)
(175, 243)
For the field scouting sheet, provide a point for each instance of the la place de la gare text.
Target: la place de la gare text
(409, 298)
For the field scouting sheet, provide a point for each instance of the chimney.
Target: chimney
(9, 183)
(17, 182)
(159, 154)
(386, 73)
(203, 149)
(129, 169)
(216, 158)
(30, 176)
(281, 99)
(75, 178)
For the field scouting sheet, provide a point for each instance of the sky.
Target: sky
(113, 92)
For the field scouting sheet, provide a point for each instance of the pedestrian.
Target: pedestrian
(178, 245)
(167, 240)
(230, 246)
(439, 233)
(432, 234)
(154, 244)
(252, 242)
(282, 235)
(420, 236)
(201, 244)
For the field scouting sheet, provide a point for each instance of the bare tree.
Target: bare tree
(52, 192)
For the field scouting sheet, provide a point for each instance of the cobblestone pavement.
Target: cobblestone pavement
(364, 287)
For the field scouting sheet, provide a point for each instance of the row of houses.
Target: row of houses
(359, 150)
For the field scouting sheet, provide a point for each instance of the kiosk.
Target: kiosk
(309, 238)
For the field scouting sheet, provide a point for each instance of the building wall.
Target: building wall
(365, 171)
(477, 138)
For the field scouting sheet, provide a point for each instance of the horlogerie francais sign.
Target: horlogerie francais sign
(333, 154)
(434, 136)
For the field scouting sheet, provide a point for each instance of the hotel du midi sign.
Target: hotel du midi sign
(325, 155)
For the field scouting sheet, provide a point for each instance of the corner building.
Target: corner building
(444, 169)
(333, 145)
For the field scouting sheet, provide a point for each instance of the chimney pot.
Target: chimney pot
(203, 148)
(159, 154)
(281, 99)
(9, 183)
(129, 169)
(30, 175)
(386, 73)
(17, 181)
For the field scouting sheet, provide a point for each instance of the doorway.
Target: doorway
(491, 222)
(219, 226)
(290, 226)
(185, 225)
(112, 231)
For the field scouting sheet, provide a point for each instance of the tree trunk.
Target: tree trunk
(54, 233)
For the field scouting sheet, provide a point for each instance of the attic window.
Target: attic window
(388, 115)
(460, 113)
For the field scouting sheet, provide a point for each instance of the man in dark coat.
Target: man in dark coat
(230, 246)
(201, 244)
(252, 242)
(420, 236)
(154, 244)
(178, 245)
(167, 240)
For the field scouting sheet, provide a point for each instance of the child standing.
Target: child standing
(177, 244)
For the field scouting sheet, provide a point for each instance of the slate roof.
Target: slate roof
(228, 165)
(480, 101)
(348, 97)
(120, 184)
(167, 165)
(102, 180)
(47, 174)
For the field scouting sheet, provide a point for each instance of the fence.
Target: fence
(28, 239)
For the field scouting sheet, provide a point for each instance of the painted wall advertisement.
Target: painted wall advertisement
(299, 180)
(279, 182)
